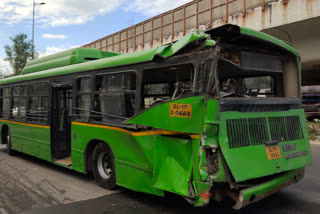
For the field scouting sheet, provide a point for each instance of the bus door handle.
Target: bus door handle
(271, 143)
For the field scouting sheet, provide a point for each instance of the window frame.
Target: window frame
(1, 102)
(194, 69)
(17, 118)
(46, 120)
(95, 93)
(76, 93)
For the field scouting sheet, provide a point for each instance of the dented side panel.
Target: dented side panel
(261, 191)
(173, 116)
(172, 164)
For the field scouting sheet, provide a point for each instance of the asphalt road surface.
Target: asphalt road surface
(31, 186)
(27, 183)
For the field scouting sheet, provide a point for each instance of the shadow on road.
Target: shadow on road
(51, 166)
(129, 202)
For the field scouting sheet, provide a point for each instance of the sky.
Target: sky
(65, 24)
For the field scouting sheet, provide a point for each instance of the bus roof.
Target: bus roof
(111, 61)
(107, 59)
(267, 37)
(229, 32)
(64, 58)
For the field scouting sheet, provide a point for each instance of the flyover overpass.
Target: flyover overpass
(295, 21)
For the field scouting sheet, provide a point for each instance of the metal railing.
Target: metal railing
(171, 25)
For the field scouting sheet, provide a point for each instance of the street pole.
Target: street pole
(33, 29)
(33, 12)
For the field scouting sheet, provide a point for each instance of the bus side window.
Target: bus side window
(83, 98)
(5, 102)
(114, 97)
(165, 83)
(155, 93)
(19, 102)
(1, 103)
(38, 102)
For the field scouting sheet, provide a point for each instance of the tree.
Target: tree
(19, 53)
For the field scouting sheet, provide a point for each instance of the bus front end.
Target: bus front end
(262, 144)
(257, 153)
(234, 126)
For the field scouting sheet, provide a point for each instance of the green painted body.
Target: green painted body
(151, 159)
(30, 140)
(154, 162)
(159, 117)
(268, 188)
(256, 155)
(133, 155)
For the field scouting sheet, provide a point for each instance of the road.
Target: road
(36, 187)
(27, 183)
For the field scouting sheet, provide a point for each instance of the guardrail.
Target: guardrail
(171, 25)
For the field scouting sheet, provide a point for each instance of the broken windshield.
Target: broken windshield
(257, 75)
(248, 87)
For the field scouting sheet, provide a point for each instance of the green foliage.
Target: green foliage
(19, 52)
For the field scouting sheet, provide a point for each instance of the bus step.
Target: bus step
(64, 161)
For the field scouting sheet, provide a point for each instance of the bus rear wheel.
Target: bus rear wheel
(103, 166)
(11, 152)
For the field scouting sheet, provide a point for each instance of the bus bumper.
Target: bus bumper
(261, 191)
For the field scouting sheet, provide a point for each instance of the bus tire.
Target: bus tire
(11, 152)
(103, 166)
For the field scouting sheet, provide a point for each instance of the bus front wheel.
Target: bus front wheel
(11, 152)
(103, 166)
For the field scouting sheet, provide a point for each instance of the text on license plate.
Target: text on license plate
(273, 152)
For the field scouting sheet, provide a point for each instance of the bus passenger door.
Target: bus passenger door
(61, 123)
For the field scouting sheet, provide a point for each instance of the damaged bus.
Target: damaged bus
(213, 115)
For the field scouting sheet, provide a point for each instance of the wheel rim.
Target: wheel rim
(104, 165)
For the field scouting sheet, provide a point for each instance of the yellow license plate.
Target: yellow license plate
(273, 152)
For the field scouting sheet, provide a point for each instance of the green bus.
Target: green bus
(216, 114)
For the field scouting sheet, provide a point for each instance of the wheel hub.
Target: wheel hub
(104, 166)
